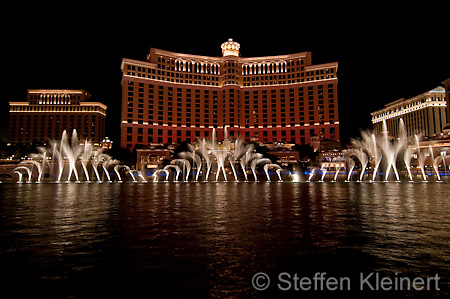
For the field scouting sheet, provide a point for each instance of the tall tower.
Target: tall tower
(230, 71)
(230, 52)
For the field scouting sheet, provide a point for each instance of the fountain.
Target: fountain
(258, 160)
(407, 159)
(277, 168)
(336, 173)
(85, 156)
(38, 166)
(128, 170)
(420, 158)
(176, 168)
(209, 153)
(377, 147)
(220, 155)
(20, 176)
(158, 171)
(435, 164)
(311, 174)
(107, 161)
(391, 150)
(247, 158)
(324, 171)
(71, 160)
(363, 159)
(351, 164)
(28, 170)
(64, 154)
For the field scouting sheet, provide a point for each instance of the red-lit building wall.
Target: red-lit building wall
(174, 97)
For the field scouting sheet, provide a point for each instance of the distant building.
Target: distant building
(446, 84)
(323, 144)
(333, 160)
(424, 114)
(151, 158)
(48, 112)
(285, 156)
(175, 97)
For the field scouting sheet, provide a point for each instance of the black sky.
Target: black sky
(384, 53)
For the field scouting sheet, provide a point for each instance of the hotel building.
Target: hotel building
(173, 97)
(424, 114)
(48, 112)
(446, 84)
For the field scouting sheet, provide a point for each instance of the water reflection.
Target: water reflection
(209, 239)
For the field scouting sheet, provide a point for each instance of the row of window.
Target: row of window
(59, 108)
(24, 128)
(52, 97)
(233, 132)
(158, 104)
(153, 135)
(30, 136)
(428, 122)
(187, 112)
(213, 78)
(409, 106)
(231, 91)
(149, 90)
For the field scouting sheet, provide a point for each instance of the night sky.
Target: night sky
(384, 53)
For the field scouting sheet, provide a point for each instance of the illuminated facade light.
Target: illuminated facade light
(424, 114)
(173, 97)
(48, 112)
(230, 48)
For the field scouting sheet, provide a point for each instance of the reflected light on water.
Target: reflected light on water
(208, 240)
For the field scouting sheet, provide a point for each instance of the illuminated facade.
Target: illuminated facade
(446, 84)
(173, 97)
(424, 114)
(48, 112)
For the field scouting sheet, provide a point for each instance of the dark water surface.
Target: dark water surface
(208, 240)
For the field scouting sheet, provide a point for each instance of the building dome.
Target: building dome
(230, 48)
